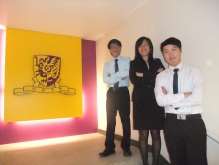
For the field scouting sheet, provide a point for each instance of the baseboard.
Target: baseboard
(134, 143)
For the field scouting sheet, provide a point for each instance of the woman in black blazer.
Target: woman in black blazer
(147, 115)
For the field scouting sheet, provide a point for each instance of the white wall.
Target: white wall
(195, 23)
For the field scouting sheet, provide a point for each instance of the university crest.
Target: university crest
(46, 77)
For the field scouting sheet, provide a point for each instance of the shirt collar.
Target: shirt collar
(119, 57)
(179, 66)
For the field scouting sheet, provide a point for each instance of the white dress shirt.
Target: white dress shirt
(189, 80)
(109, 68)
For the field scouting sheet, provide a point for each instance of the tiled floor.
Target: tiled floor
(74, 150)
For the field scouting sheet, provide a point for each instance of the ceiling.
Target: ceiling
(88, 19)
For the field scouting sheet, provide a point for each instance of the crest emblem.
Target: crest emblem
(46, 77)
(46, 69)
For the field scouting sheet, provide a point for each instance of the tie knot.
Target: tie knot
(175, 70)
(116, 60)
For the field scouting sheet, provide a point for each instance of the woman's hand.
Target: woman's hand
(139, 74)
(160, 70)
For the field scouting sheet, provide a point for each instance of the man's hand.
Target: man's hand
(186, 94)
(139, 74)
(109, 75)
(164, 90)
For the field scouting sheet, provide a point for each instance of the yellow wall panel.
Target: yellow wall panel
(60, 58)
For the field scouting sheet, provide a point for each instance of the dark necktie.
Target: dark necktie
(175, 82)
(116, 85)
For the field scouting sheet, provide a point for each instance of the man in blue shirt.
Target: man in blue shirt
(116, 75)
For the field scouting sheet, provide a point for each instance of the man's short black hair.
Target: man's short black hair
(170, 41)
(114, 41)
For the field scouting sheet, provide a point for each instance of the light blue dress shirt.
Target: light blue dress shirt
(109, 68)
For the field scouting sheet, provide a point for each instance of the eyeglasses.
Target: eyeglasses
(114, 47)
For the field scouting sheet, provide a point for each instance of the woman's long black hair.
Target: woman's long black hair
(138, 57)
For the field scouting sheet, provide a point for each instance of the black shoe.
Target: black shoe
(106, 153)
(127, 152)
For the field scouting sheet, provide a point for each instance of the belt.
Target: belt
(118, 89)
(183, 116)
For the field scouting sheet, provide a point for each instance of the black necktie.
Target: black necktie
(175, 82)
(116, 85)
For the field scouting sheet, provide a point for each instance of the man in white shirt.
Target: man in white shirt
(116, 75)
(179, 89)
